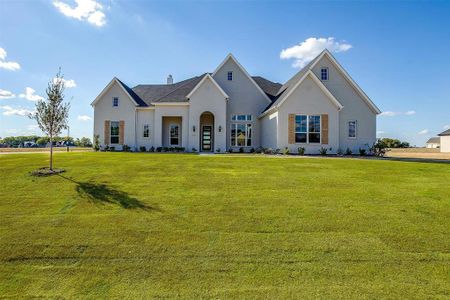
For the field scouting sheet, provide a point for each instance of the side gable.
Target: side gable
(232, 58)
(347, 77)
(207, 77)
(129, 92)
(307, 74)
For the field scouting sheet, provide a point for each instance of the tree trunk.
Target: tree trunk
(51, 153)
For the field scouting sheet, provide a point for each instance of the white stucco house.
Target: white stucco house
(320, 106)
(433, 142)
(445, 140)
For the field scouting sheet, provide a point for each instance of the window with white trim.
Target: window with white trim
(115, 102)
(241, 130)
(241, 117)
(230, 75)
(146, 132)
(352, 129)
(114, 132)
(307, 129)
(324, 73)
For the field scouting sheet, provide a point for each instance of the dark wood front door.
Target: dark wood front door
(207, 139)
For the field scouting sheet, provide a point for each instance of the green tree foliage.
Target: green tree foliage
(52, 113)
(394, 143)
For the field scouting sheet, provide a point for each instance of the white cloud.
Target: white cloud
(7, 65)
(310, 48)
(19, 111)
(394, 113)
(32, 127)
(422, 132)
(30, 95)
(4, 94)
(447, 127)
(84, 118)
(85, 10)
(67, 83)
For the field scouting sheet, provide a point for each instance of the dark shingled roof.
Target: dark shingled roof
(447, 132)
(269, 87)
(176, 92)
(434, 140)
(132, 94)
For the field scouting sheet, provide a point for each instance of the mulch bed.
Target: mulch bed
(46, 172)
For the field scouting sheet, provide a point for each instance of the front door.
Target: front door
(207, 142)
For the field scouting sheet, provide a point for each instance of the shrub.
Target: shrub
(159, 149)
(152, 149)
(268, 151)
(126, 148)
(112, 149)
(339, 152)
(323, 151)
(362, 151)
(241, 150)
(106, 148)
(252, 150)
(348, 151)
(165, 149)
(194, 150)
(230, 150)
(218, 150)
(259, 150)
(286, 151)
(96, 142)
(379, 148)
(142, 149)
(277, 151)
(301, 150)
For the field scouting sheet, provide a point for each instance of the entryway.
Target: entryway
(207, 132)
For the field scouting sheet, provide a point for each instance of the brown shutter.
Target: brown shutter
(121, 129)
(291, 129)
(325, 129)
(107, 131)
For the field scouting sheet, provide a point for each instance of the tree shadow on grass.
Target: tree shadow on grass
(100, 193)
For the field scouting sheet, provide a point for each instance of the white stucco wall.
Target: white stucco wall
(207, 98)
(269, 129)
(104, 110)
(308, 99)
(145, 116)
(245, 98)
(355, 108)
(445, 143)
(170, 111)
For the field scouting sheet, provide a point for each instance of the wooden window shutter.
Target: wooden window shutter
(121, 129)
(291, 129)
(325, 129)
(107, 131)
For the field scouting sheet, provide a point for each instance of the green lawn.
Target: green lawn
(167, 225)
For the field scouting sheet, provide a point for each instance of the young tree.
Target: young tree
(52, 113)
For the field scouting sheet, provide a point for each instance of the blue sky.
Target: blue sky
(398, 54)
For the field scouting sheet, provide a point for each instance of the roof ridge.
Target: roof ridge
(176, 89)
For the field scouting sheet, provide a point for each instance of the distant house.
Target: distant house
(434, 142)
(445, 140)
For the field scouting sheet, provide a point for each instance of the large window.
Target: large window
(115, 102)
(146, 130)
(114, 136)
(307, 129)
(241, 135)
(174, 135)
(324, 73)
(352, 129)
(241, 117)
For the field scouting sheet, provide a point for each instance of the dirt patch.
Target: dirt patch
(423, 153)
(46, 172)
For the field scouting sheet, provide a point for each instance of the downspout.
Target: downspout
(135, 129)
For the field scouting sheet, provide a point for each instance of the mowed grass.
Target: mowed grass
(130, 225)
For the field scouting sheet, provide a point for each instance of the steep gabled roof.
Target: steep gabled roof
(447, 132)
(230, 56)
(133, 97)
(207, 76)
(269, 87)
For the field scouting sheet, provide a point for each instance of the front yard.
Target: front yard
(142, 225)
